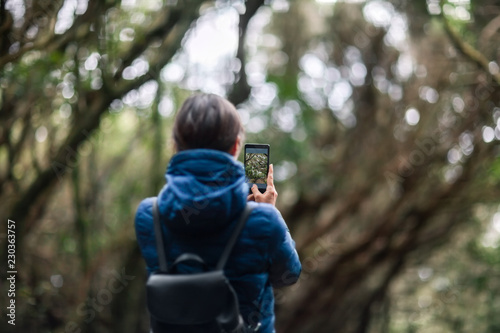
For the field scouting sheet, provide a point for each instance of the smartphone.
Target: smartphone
(256, 165)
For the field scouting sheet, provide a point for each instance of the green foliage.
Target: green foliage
(494, 173)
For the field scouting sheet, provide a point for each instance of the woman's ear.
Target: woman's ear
(235, 149)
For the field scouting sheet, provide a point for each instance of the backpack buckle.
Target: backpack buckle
(255, 328)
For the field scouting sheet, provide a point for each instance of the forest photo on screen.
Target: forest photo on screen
(256, 167)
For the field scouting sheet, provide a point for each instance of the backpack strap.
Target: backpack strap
(160, 248)
(234, 236)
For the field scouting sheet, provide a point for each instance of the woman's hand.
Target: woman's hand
(270, 195)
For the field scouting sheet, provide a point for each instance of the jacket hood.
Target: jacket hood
(205, 191)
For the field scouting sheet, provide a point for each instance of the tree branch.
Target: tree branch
(468, 50)
(53, 41)
(241, 89)
(167, 22)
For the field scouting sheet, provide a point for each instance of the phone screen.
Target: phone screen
(257, 165)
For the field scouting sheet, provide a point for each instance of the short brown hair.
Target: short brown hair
(207, 121)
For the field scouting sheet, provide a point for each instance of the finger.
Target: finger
(250, 197)
(270, 178)
(255, 190)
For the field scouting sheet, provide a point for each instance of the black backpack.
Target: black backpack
(199, 302)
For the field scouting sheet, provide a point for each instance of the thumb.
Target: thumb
(255, 189)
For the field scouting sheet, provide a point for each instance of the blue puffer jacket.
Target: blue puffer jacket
(203, 198)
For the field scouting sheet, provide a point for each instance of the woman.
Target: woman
(203, 198)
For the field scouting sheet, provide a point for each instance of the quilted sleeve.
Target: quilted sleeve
(285, 266)
(144, 231)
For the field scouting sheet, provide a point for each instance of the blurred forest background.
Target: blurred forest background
(384, 122)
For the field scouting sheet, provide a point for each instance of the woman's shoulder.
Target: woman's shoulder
(144, 212)
(145, 205)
